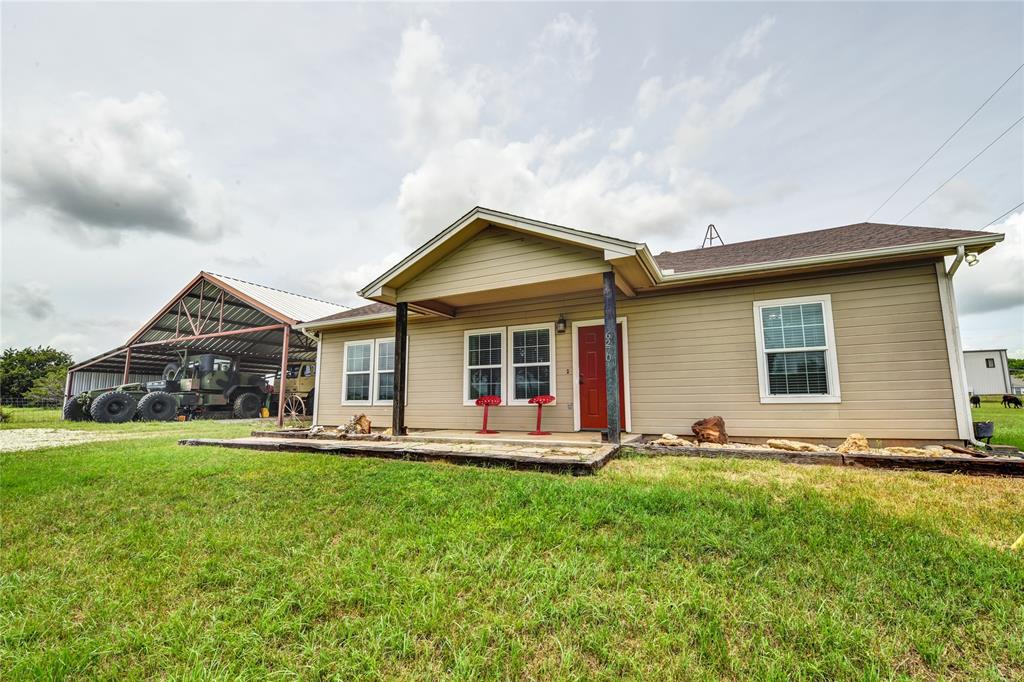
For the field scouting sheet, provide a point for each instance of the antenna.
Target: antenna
(710, 236)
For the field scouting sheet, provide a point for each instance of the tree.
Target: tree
(49, 388)
(21, 367)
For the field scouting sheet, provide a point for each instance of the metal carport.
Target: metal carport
(219, 314)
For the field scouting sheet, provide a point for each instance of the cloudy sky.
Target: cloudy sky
(308, 147)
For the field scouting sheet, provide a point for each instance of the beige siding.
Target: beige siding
(498, 258)
(332, 359)
(692, 355)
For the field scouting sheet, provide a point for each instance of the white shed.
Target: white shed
(988, 373)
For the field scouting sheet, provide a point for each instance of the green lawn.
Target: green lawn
(144, 559)
(1009, 422)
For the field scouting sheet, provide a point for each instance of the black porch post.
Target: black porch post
(401, 351)
(611, 357)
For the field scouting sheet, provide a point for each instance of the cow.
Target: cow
(975, 401)
(1011, 401)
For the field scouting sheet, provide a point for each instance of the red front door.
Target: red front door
(593, 394)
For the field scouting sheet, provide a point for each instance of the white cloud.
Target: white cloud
(749, 44)
(110, 167)
(622, 138)
(567, 179)
(341, 283)
(996, 283)
(434, 108)
(571, 40)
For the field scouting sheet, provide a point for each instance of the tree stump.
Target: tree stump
(710, 430)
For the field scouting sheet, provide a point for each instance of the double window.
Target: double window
(369, 372)
(515, 363)
(796, 355)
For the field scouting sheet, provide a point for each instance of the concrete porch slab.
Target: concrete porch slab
(579, 458)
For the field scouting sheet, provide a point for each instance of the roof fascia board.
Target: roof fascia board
(345, 321)
(834, 258)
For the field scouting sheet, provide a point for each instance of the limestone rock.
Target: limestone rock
(710, 430)
(795, 446)
(914, 452)
(359, 423)
(854, 443)
(316, 430)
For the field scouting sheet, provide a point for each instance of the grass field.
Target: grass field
(1009, 422)
(143, 559)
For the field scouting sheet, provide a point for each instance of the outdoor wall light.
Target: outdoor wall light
(560, 325)
(972, 260)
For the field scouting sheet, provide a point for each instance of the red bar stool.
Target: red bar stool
(540, 401)
(485, 401)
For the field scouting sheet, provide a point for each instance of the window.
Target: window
(990, 363)
(532, 362)
(796, 350)
(358, 371)
(484, 364)
(369, 372)
(385, 382)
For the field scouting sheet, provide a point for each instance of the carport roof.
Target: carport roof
(219, 314)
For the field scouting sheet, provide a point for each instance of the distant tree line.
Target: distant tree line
(1016, 366)
(34, 375)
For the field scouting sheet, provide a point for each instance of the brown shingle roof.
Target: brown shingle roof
(835, 240)
(362, 311)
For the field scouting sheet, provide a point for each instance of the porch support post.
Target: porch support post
(611, 357)
(127, 365)
(286, 332)
(401, 360)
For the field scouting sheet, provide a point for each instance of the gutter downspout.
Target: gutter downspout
(960, 255)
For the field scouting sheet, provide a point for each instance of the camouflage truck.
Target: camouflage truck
(196, 385)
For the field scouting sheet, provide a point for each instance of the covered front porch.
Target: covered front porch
(515, 365)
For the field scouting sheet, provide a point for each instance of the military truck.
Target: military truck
(192, 387)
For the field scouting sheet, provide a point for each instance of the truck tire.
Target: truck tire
(170, 371)
(158, 406)
(247, 406)
(75, 411)
(115, 407)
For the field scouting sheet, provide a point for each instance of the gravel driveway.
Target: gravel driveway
(15, 440)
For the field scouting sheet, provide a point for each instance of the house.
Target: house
(1016, 385)
(988, 372)
(811, 335)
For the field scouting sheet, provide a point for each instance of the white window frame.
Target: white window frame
(831, 357)
(374, 372)
(465, 363)
(511, 374)
(345, 373)
(377, 371)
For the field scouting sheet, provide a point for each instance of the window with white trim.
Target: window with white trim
(384, 384)
(358, 372)
(531, 358)
(485, 364)
(369, 377)
(796, 350)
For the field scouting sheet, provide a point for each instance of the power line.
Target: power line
(941, 146)
(920, 203)
(1004, 215)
